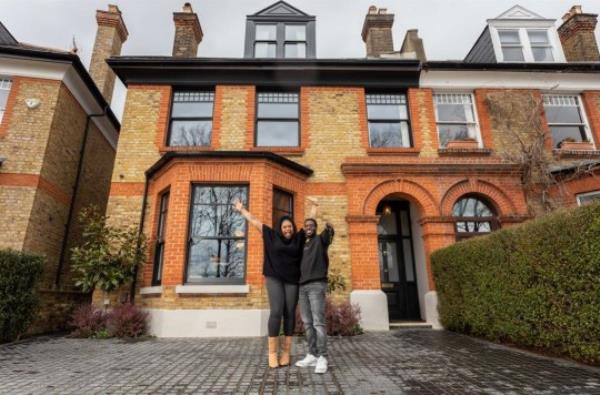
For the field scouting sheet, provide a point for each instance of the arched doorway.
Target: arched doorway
(397, 258)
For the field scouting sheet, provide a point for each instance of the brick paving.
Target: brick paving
(402, 361)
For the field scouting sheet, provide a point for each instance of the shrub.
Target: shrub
(87, 321)
(342, 319)
(127, 320)
(535, 285)
(19, 275)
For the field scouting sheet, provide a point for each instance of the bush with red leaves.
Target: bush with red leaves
(342, 319)
(87, 320)
(127, 320)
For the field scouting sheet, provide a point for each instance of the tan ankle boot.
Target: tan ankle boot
(273, 343)
(284, 358)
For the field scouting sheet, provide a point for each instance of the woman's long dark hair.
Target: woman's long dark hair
(281, 220)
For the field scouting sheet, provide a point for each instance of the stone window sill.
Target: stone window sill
(285, 151)
(212, 289)
(562, 153)
(393, 151)
(157, 290)
(464, 151)
(165, 149)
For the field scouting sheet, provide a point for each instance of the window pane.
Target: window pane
(387, 224)
(471, 207)
(295, 32)
(265, 50)
(388, 261)
(278, 110)
(282, 200)
(216, 259)
(512, 54)
(384, 134)
(158, 261)
(509, 37)
(538, 36)
(266, 32)
(225, 195)
(558, 114)
(391, 112)
(542, 54)
(277, 134)
(588, 198)
(199, 109)
(408, 260)
(560, 133)
(453, 112)
(190, 133)
(3, 98)
(455, 132)
(295, 50)
(404, 223)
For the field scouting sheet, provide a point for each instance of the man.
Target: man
(313, 291)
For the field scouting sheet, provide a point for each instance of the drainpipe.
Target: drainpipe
(63, 250)
(139, 240)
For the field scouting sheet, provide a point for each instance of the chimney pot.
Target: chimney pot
(188, 33)
(110, 36)
(577, 36)
(377, 32)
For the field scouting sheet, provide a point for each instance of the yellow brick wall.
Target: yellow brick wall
(233, 112)
(15, 208)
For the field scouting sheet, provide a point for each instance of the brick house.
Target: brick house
(58, 139)
(404, 156)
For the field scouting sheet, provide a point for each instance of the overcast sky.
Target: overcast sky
(448, 27)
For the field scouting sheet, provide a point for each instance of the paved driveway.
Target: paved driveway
(403, 361)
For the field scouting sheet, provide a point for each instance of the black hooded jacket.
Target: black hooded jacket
(282, 256)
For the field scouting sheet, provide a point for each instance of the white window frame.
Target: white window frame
(586, 125)
(523, 27)
(580, 195)
(549, 45)
(520, 45)
(475, 115)
(6, 85)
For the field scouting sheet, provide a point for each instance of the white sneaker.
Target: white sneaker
(309, 360)
(321, 365)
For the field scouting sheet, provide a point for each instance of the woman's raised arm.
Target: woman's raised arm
(239, 207)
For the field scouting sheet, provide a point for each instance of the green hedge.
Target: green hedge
(534, 285)
(19, 274)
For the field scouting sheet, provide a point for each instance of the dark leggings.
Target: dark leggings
(283, 298)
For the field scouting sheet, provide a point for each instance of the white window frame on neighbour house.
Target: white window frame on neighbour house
(526, 44)
(552, 99)
(585, 196)
(5, 86)
(463, 98)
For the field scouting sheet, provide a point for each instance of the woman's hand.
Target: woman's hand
(238, 205)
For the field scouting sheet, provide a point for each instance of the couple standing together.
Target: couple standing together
(295, 267)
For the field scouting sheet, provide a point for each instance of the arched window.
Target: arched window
(473, 217)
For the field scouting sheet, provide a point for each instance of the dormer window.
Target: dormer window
(518, 35)
(280, 31)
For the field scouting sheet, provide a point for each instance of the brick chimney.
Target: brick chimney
(110, 36)
(377, 31)
(577, 36)
(188, 33)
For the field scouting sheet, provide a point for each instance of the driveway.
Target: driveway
(403, 361)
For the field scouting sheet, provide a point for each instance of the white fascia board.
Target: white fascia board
(474, 79)
(61, 71)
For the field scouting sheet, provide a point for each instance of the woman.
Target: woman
(281, 268)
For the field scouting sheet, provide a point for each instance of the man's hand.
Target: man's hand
(238, 206)
(313, 201)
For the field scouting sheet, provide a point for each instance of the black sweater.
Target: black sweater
(282, 256)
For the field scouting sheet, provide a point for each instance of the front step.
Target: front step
(409, 325)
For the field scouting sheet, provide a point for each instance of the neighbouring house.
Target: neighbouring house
(58, 139)
(404, 155)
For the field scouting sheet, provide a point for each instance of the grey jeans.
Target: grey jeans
(312, 311)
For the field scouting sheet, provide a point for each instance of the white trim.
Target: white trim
(473, 108)
(208, 323)
(373, 306)
(62, 71)
(479, 79)
(157, 290)
(523, 26)
(591, 193)
(212, 289)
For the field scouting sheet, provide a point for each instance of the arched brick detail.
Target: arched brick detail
(501, 202)
(413, 192)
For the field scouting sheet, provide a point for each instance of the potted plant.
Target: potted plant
(570, 144)
(463, 143)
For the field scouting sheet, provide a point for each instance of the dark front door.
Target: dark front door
(396, 260)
